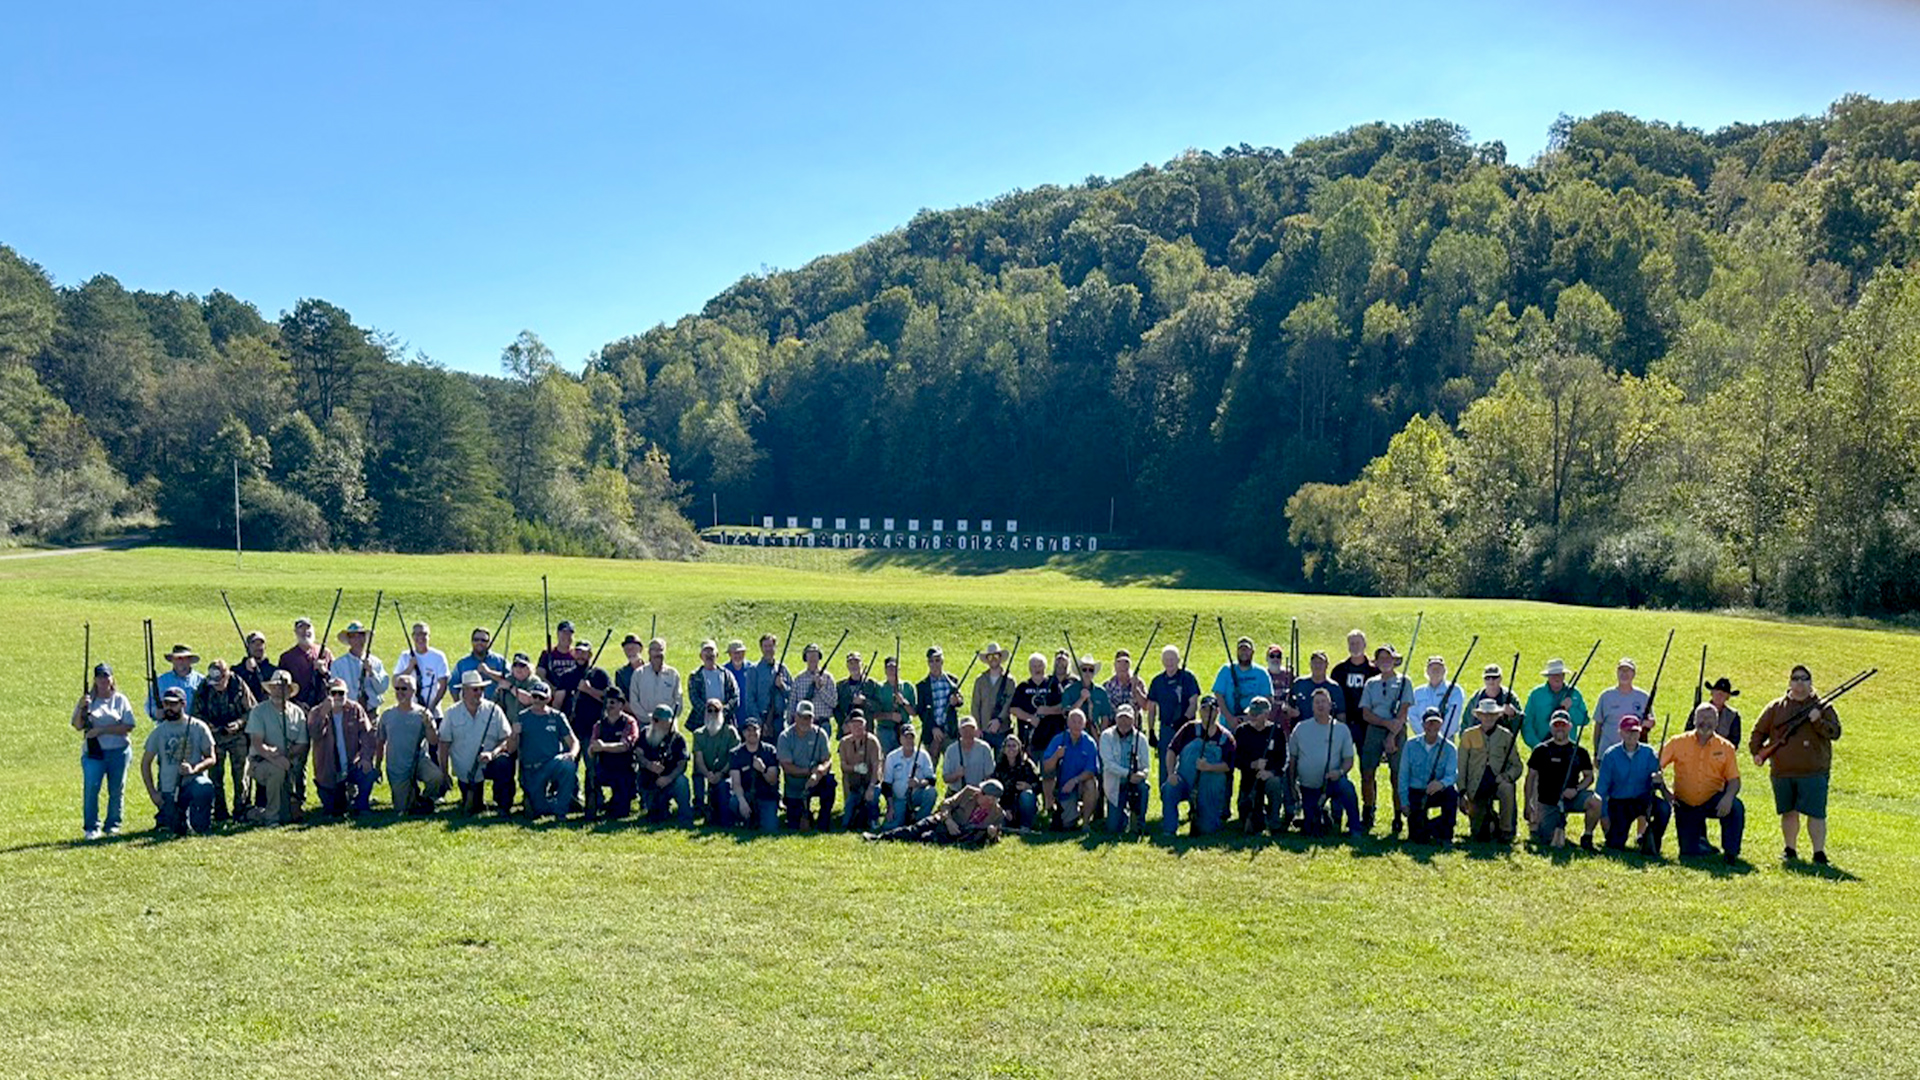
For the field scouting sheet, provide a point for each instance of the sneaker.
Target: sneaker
(1586, 843)
(113, 830)
(93, 834)
(1820, 858)
(1789, 855)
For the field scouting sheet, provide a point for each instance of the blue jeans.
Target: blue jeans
(660, 801)
(333, 801)
(889, 740)
(713, 799)
(1022, 808)
(1690, 823)
(1208, 796)
(916, 806)
(766, 814)
(1326, 806)
(110, 766)
(191, 809)
(863, 806)
(550, 787)
(1127, 809)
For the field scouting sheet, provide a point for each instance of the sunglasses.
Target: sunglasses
(1802, 678)
(336, 693)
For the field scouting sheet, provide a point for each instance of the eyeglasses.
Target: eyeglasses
(1802, 678)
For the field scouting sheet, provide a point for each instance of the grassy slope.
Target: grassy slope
(493, 947)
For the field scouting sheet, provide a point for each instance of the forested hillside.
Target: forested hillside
(1655, 365)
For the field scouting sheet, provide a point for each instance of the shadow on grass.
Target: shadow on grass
(1161, 569)
(1811, 869)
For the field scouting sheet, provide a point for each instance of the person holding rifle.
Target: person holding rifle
(860, 774)
(1260, 754)
(893, 707)
(711, 681)
(937, 699)
(277, 728)
(1032, 697)
(969, 816)
(1438, 693)
(806, 761)
(1489, 771)
(104, 718)
(1353, 674)
(490, 665)
(406, 742)
(664, 790)
(183, 746)
(1073, 761)
(1629, 789)
(223, 703)
(1726, 718)
(471, 734)
(1125, 688)
(1172, 700)
(610, 744)
(309, 663)
(1019, 779)
(1571, 769)
(1794, 737)
(1555, 695)
(347, 761)
(655, 684)
(1507, 707)
(543, 742)
(713, 745)
(1384, 705)
(755, 775)
(1238, 682)
(558, 668)
(1199, 757)
(1319, 756)
(856, 691)
(764, 692)
(1429, 772)
(813, 686)
(989, 696)
(1615, 703)
(366, 678)
(181, 677)
(907, 775)
(1706, 785)
(1124, 753)
(428, 666)
(254, 669)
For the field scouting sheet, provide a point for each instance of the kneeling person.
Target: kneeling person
(1429, 769)
(1074, 761)
(1560, 770)
(664, 792)
(182, 794)
(1706, 786)
(754, 778)
(1489, 769)
(1629, 789)
(806, 761)
(547, 748)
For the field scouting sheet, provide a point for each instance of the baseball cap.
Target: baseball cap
(539, 688)
(173, 693)
(565, 624)
(1433, 714)
(663, 712)
(1560, 717)
(103, 671)
(1259, 706)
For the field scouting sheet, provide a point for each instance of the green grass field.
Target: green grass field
(442, 948)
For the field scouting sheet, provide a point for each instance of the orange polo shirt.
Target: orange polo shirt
(1700, 772)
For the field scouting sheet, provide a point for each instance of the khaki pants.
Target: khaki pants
(276, 783)
(1500, 807)
(229, 775)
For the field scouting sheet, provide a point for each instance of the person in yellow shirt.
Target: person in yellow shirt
(1706, 784)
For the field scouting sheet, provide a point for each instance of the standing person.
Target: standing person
(1353, 674)
(755, 776)
(347, 762)
(656, 684)
(1620, 700)
(894, 706)
(254, 669)
(1124, 754)
(471, 735)
(1706, 785)
(1384, 704)
(736, 666)
(1492, 689)
(406, 741)
(1073, 760)
(1436, 693)
(1320, 755)
(512, 696)
(713, 682)
(1019, 778)
(968, 759)
(1489, 773)
(611, 743)
(366, 677)
(180, 677)
(1260, 754)
(991, 697)
(1558, 774)
(1726, 718)
(713, 746)
(860, 764)
(1428, 774)
(764, 694)
(1172, 700)
(908, 777)
(309, 663)
(811, 685)
(937, 697)
(183, 746)
(546, 748)
(664, 792)
(1031, 697)
(481, 658)
(277, 728)
(635, 651)
(1125, 688)
(223, 703)
(1238, 683)
(806, 763)
(591, 693)
(1799, 734)
(1282, 676)
(429, 668)
(104, 718)
(853, 692)
(1550, 697)
(1629, 774)
(558, 668)
(1199, 756)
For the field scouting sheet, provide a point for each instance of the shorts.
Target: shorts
(1806, 794)
(1553, 816)
(1373, 750)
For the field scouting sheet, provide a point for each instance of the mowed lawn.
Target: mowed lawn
(444, 948)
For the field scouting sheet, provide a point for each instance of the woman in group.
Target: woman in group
(1020, 777)
(104, 718)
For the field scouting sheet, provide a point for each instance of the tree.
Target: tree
(328, 354)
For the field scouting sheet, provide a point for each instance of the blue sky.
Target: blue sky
(455, 172)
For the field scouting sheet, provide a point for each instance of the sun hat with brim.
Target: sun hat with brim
(1724, 685)
(472, 679)
(1555, 666)
(183, 652)
(282, 677)
(352, 628)
(1487, 707)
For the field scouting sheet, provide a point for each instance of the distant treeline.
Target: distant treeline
(1654, 366)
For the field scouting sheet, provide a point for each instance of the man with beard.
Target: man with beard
(546, 748)
(222, 703)
(1260, 754)
(713, 745)
(664, 792)
(277, 731)
(183, 747)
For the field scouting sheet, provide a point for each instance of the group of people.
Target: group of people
(754, 745)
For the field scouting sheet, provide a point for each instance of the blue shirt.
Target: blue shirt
(1237, 686)
(1421, 764)
(756, 690)
(1302, 694)
(1171, 695)
(167, 680)
(1627, 776)
(1082, 755)
(471, 662)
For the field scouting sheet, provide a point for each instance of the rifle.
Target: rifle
(367, 662)
(153, 675)
(546, 609)
(86, 687)
(653, 622)
(1406, 681)
(1233, 666)
(236, 625)
(1448, 696)
(1147, 649)
(1086, 691)
(1584, 663)
(1792, 723)
(1699, 688)
(1655, 692)
(586, 749)
(835, 651)
(792, 621)
(327, 634)
(1006, 685)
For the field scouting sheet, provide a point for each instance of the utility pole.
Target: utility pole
(236, 513)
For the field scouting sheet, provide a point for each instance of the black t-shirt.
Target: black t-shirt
(256, 676)
(1250, 744)
(672, 753)
(1558, 766)
(563, 671)
(1352, 678)
(753, 765)
(1031, 698)
(587, 709)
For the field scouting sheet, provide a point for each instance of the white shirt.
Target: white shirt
(470, 734)
(348, 668)
(649, 688)
(429, 669)
(898, 771)
(1116, 755)
(1427, 696)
